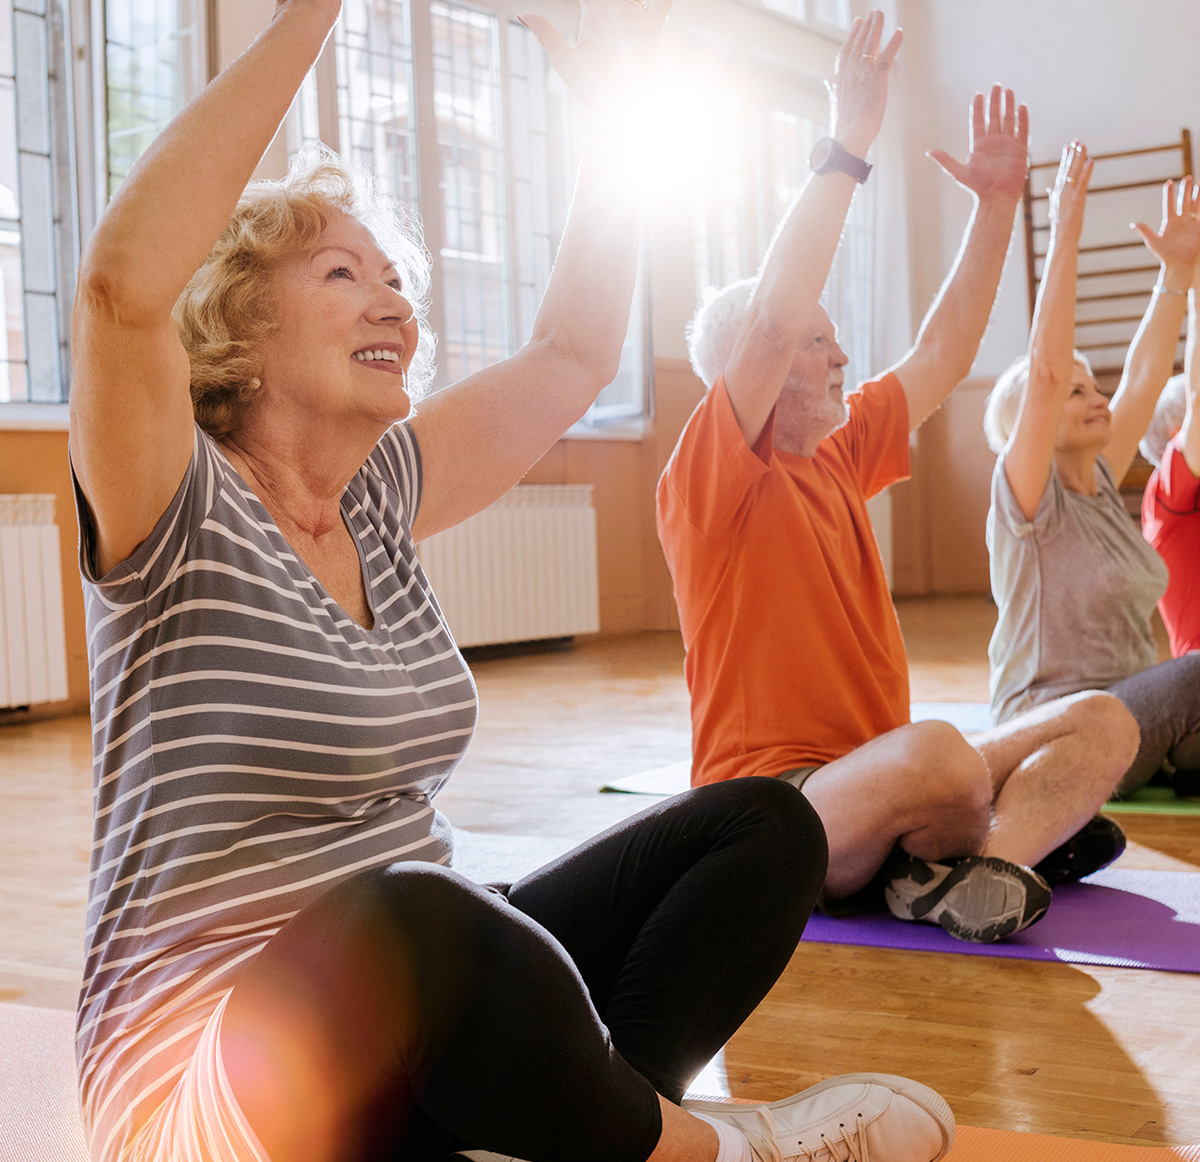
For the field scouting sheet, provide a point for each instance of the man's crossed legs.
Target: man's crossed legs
(961, 821)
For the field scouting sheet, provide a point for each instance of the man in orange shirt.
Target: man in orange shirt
(795, 662)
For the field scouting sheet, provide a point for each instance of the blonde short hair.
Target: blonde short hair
(227, 308)
(1004, 401)
(1168, 419)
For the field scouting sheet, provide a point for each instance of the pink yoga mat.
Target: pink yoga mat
(1126, 918)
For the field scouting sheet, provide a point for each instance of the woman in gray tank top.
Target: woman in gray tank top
(279, 964)
(1075, 582)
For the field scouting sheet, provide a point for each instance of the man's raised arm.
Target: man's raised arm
(801, 254)
(994, 174)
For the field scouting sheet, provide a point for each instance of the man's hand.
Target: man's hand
(858, 88)
(997, 149)
(1177, 245)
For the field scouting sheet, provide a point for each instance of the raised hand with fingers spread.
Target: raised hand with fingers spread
(998, 141)
(1177, 243)
(859, 86)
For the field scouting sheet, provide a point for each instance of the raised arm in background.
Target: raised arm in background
(801, 254)
(1189, 432)
(131, 411)
(1030, 451)
(994, 175)
(479, 437)
(1151, 357)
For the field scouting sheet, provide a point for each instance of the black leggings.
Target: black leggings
(541, 1021)
(1165, 700)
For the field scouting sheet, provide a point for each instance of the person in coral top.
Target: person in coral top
(795, 662)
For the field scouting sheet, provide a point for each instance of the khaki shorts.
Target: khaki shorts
(798, 775)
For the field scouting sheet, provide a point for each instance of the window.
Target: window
(481, 138)
(475, 273)
(833, 12)
(738, 211)
(14, 384)
(37, 240)
(155, 61)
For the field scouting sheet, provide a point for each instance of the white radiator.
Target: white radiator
(33, 647)
(523, 569)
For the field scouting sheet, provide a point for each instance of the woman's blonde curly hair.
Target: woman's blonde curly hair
(227, 308)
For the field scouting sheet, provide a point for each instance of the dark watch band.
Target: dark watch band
(830, 156)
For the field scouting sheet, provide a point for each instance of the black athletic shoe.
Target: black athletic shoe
(1095, 845)
(981, 898)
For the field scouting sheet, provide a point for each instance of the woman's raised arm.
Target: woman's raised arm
(480, 436)
(131, 413)
(1151, 357)
(1189, 433)
(1030, 451)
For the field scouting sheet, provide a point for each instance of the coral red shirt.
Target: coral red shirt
(794, 653)
(1171, 523)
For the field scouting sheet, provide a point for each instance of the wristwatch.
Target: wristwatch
(829, 156)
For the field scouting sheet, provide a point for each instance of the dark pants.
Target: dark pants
(439, 1013)
(1165, 700)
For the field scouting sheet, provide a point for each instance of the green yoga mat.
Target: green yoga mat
(1155, 801)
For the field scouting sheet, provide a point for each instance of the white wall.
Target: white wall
(1117, 74)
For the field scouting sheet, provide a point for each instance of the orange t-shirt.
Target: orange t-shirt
(794, 653)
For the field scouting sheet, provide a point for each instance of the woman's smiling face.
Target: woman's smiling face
(346, 333)
(1086, 420)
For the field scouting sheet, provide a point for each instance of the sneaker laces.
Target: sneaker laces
(848, 1145)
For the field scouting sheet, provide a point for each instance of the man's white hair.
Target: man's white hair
(714, 329)
(1168, 419)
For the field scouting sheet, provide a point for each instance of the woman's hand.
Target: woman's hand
(1069, 196)
(1177, 244)
(609, 66)
(859, 86)
(998, 145)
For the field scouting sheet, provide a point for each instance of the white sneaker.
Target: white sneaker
(857, 1117)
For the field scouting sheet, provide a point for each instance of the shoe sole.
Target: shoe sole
(928, 1099)
(947, 902)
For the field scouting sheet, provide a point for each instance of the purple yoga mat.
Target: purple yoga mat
(1126, 918)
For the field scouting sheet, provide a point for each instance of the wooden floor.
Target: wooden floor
(1102, 1053)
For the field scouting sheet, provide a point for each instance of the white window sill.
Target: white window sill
(633, 430)
(33, 417)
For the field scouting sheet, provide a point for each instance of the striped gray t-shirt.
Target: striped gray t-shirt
(253, 746)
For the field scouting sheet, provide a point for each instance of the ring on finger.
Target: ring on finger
(869, 56)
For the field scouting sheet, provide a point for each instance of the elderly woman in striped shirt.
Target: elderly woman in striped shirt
(280, 963)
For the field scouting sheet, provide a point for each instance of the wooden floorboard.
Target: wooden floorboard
(1087, 1052)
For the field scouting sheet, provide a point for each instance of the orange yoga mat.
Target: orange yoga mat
(975, 1145)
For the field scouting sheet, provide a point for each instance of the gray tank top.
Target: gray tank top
(1075, 588)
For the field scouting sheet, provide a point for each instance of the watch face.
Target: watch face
(822, 154)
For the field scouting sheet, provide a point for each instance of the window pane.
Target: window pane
(154, 64)
(467, 106)
(13, 380)
(835, 12)
(376, 124)
(543, 167)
